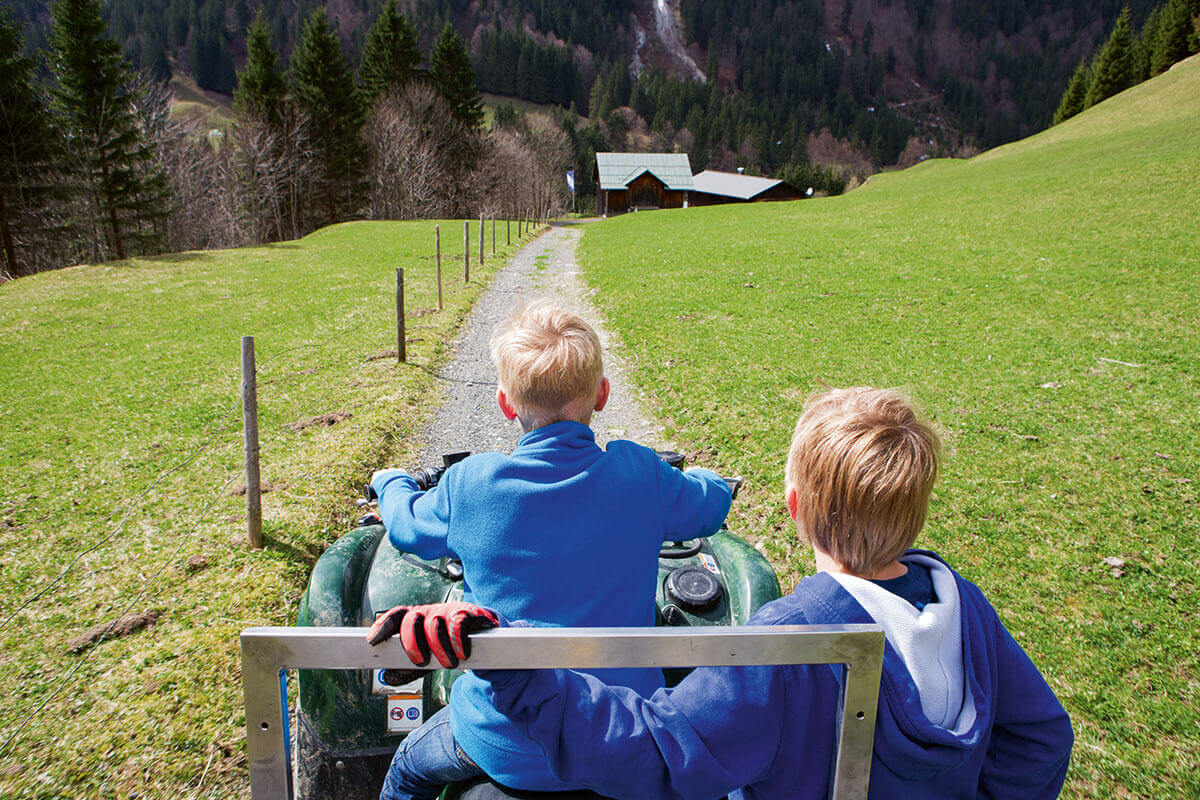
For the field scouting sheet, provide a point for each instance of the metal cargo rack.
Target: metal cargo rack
(268, 652)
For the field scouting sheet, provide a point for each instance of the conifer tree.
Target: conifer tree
(26, 149)
(1173, 43)
(154, 57)
(126, 191)
(269, 142)
(324, 92)
(452, 75)
(1112, 69)
(212, 64)
(1143, 45)
(390, 55)
(260, 87)
(1072, 99)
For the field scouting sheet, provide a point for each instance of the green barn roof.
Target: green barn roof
(616, 170)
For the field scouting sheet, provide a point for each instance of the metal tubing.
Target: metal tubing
(268, 651)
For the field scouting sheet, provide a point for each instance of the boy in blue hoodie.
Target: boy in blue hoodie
(963, 712)
(561, 532)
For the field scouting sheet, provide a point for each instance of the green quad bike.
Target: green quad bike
(349, 723)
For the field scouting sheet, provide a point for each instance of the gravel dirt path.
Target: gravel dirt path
(469, 418)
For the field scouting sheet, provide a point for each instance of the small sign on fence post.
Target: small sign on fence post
(437, 239)
(401, 351)
(466, 251)
(250, 427)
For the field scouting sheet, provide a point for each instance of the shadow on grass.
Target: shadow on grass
(308, 554)
(209, 255)
(179, 258)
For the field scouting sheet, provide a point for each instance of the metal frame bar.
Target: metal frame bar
(267, 652)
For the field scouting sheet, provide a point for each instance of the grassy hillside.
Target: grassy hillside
(190, 100)
(1040, 301)
(121, 486)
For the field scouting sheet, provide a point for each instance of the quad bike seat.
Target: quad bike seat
(484, 789)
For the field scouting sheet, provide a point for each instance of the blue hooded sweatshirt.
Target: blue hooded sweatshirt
(561, 533)
(769, 732)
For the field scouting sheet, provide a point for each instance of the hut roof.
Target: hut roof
(731, 184)
(617, 170)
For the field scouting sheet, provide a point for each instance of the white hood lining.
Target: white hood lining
(929, 641)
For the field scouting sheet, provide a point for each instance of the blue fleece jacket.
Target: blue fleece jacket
(562, 533)
(769, 732)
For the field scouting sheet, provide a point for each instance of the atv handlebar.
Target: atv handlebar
(427, 477)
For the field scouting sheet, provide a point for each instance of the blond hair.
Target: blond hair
(549, 364)
(863, 464)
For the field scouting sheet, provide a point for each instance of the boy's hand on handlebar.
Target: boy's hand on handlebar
(441, 629)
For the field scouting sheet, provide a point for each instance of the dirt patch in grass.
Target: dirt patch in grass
(323, 420)
(122, 626)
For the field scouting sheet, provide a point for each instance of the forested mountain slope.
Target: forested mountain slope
(735, 83)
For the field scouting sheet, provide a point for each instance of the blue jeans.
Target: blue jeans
(426, 761)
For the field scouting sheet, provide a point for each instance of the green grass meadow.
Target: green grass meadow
(121, 484)
(1042, 302)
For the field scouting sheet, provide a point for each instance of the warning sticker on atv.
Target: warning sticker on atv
(710, 563)
(403, 712)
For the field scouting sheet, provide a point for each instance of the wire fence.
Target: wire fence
(212, 438)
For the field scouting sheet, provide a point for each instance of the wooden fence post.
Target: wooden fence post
(481, 235)
(250, 426)
(466, 251)
(493, 236)
(437, 238)
(507, 235)
(401, 349)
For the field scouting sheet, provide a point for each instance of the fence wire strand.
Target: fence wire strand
(223, 421)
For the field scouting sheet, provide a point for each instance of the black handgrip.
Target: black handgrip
(676, 460)
(734, 484)
(428, 477)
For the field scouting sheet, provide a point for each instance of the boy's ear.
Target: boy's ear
(602, 394)
(505, 407)
(793, 501)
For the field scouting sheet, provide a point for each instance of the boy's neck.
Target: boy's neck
(529, 427)
(826, 563)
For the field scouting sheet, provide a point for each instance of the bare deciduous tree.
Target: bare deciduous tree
(407, 173)
(203, 210)
(272, 168)
(526, 169)
(422, 159)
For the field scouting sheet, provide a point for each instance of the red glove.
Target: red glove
(441, 629)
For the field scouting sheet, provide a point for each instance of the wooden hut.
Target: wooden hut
(636, 181)
(712, 188)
